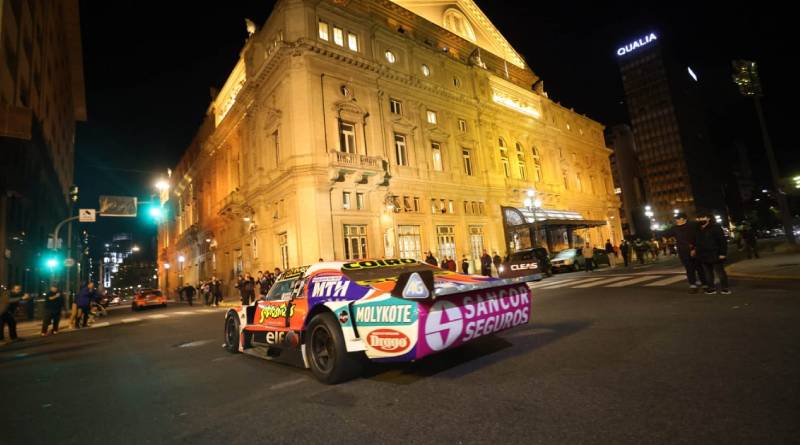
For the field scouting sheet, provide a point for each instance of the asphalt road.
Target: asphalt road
(633, 363)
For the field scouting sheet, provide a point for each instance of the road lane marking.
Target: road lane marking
(193, 344)
(183, 313)
(130, 320)
(206, 311)
(542, 284)
(633, 281)
(563, 283)
(158, 316)
(288, 383)
(101, 325)
(602, 281)
(666, 281)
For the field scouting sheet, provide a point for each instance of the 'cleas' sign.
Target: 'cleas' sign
(636, 44)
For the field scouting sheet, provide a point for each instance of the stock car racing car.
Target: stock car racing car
(331, 315)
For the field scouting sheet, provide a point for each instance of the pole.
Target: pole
(783, 204)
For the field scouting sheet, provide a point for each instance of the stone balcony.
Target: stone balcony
(355, 161)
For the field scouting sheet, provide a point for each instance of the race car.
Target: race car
(148, 298)
(330, 316)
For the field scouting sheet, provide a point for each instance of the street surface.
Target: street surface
(611, 357)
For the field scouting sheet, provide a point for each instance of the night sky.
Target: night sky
(149, 68)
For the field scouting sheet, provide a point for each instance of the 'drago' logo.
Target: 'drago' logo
(388, 340)
(443, 325)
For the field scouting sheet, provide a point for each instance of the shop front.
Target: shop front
(554, 229)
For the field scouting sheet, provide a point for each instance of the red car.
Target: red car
(148, 297)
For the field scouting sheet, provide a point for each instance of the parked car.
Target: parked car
(330, 316)
(527, 262)
(572, 259)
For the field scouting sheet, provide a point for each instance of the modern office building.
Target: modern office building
(628, 181)
(115, 253)
(673, 146)
(41, 98)
(377, 128)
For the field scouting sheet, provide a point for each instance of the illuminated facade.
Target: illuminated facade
(381, 128)
(41, 99)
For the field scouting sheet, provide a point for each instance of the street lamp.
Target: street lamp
(162, 185)
(166, 279)
(181, 259)
(745, 76)
(135, 249)
(533, 205)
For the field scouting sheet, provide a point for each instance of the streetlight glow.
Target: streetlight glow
(135, 249)
(162, 185)
(166, 265)
(181, 259)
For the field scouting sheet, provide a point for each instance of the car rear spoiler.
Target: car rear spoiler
(420, 285)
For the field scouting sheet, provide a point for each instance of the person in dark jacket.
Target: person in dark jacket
(263, 283)
(83, 301)
(53, 304)
(486, 264)
(464, 265)
(189, 291)
(430, 259)
(712, 250)
(216, 290)
(8, 306)
(497, 261)
(625, 250)
(248, 289)
(750, 243)
(685, 234)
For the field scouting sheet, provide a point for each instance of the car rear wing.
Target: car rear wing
(420, 285)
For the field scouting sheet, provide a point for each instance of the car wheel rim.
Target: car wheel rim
(231, 332)
(322, 348)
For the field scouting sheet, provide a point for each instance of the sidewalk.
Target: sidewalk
(771, 266)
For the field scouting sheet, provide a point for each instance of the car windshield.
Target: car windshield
(282, 290)
(153, 293)
(569, 253)
(523, 256)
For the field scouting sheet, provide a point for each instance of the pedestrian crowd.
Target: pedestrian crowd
(211, 291)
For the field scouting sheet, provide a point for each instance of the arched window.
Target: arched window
(455, 21)
(504, 157)
(537, 164)
(523, 169)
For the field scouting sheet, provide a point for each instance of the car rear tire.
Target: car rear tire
(232, 335)
(328, 357)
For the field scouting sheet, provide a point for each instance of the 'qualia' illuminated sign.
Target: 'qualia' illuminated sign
(636, 44)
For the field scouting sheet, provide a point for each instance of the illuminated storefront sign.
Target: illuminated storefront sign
(636, 44)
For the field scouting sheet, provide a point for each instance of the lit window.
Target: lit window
(416, 204)
(352, 41)
(431, 117)
(462, 125)
(338, 36)
(400, 149)
(390, 57)
(346, 200)
(504, 157)
(360, 201)
(436, 150)
(355, 242)
(395, 106)
(467, 162)
(523, 169)
(323, 31)
(537, 165)
(426, 71)
(347, 136)
(450, 207)
(457, 82)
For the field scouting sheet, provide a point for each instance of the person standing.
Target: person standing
(685, 234)
(263, 284)
(497, 261)
(86, 295)
(190, 290)
(216, 291)
(588, 257)
(464, 265)
(8, 306)
(612, 260)
(640, 248)
(625, 250)
(486, 264)
(712, 250)
(430, 259)
(249, 294)
(53, 304)
(750, 242)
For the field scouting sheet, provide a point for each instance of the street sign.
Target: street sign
(118, 206)
(87, 215)
(69, 262)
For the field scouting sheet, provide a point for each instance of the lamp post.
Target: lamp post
(181, 259)
(648, 212)
(533, 204)
(166, 278)
(745, 76)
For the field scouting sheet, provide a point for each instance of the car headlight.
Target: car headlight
(502, 269)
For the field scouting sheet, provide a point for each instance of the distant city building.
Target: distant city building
(628, 181)
(41, 98)
(114, 253)
(377, 128)
(673, 147)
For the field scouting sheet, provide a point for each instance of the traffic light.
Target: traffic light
(52, 262)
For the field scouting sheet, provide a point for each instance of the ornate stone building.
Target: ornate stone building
(375, 128)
